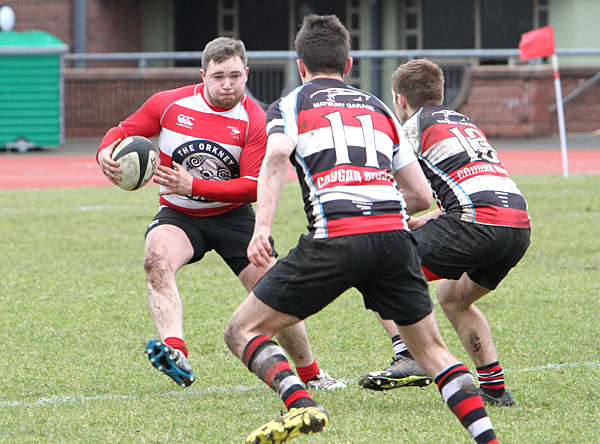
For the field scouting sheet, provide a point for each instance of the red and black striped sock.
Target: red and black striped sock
(266, 359)
(309, 372)
(491, 379)
(178, 343)
(457, 386)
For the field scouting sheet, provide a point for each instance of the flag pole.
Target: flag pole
(561, 117)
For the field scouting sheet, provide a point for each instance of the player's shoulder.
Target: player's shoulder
(430, 115)
(182, 91)
(252, 107)
(171, 95)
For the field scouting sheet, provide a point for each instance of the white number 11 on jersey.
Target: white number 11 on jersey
(341, 145)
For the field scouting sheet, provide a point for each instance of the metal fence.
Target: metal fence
(274, 73)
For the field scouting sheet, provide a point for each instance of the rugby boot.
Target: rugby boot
(403, 372)
(296, 422)
(505, 400)
(170, 361)
(324, 382)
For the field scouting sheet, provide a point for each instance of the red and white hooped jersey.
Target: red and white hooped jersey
(348, 145)
(463, 169)
(211, 143)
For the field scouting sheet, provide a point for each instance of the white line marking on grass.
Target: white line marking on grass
(62, 399)
(240, 388)
(555, 367)
(95, 208)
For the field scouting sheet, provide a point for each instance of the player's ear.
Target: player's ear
(401, 101)
(301, 68)
(203, 74)
(348, 66)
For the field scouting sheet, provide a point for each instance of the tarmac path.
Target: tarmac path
(74, 164)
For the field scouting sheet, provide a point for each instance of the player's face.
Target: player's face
(225, 82)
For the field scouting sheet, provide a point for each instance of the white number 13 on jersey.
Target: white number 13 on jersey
(475, 144)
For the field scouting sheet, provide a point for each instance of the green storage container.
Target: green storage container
(31, 90)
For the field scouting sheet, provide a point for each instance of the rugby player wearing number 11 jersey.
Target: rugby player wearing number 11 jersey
(347, 148)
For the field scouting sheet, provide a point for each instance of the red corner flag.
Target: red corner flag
(537, 43)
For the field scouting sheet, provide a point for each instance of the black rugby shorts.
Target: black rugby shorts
(450, 247)
(383, 266)
(228, 234)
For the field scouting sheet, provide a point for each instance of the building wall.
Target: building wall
(515, 102)
(112, 25)
(158, 33)
(575, 24)
(503, 102)
(52, 16)
(97, 99)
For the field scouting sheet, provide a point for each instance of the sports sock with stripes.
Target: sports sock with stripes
(458, 389)
(177, 343)
(400, 348)
(266, 359)
(309, 372)
(491, 379)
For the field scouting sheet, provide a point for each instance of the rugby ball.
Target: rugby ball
(137, 158)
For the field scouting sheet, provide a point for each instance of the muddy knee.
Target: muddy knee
(157, 270)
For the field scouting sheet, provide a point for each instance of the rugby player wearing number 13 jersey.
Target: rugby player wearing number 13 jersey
(347, 147)
(480, 231)
(212, 141)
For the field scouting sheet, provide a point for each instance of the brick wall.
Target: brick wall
(98, 99)
(53, 16)
(514, 101)
(112, 25)
(502, 101)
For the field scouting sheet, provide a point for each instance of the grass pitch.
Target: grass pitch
(74, 322)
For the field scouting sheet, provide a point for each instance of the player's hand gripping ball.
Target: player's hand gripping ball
(137, 158)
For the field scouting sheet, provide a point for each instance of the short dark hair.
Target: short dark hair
(421, 82)
(223, 48)
(323, 44)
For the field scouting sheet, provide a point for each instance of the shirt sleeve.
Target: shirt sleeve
(144, 122)
(404, 155)
(282, 118)
(275, 122)
(238, 190)
(255, 147)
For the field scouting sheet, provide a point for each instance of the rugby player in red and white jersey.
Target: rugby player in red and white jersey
(347, 147)
(212, 141)
(479, 233)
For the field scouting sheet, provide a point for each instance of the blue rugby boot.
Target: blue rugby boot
(170, 361)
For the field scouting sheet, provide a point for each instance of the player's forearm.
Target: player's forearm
(270, 184)
(416, 203)
(414, 187)
(229, 191)
(110, 136)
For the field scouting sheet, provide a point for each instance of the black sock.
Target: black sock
(494, 393)
(407, 354)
